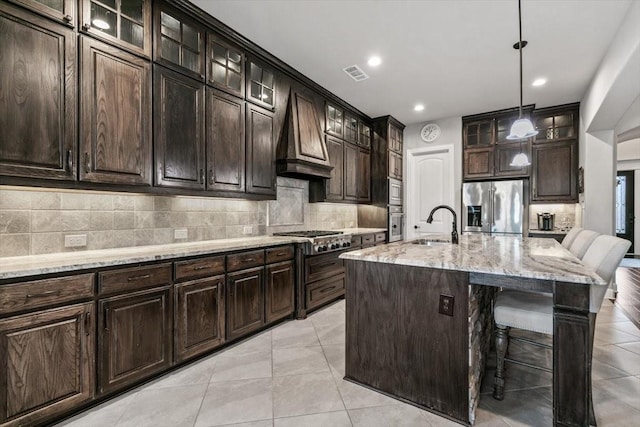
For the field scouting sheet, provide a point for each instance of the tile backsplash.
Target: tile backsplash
(36, 221)
(566, 215)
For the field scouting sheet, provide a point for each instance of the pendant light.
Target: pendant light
(521, 128)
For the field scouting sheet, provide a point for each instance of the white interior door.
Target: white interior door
(429, 183)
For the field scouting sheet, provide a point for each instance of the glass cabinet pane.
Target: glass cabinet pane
(181, 43)
(169, 26)
(103, 19)
(262, 85)
(53, 4)
(190, 38)
(131, 32)
(132, 9)
(122, 20)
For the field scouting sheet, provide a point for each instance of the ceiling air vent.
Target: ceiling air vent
(356, 73)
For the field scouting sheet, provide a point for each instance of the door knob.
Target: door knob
(416, 227)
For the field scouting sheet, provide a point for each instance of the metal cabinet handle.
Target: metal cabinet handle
(106, 318)
(87, 163)
(281, 254)
(43, 294)
(70, 159)
(86, 27)
(68, 18)
(201, 176)
(327, 289)
(249, 259)
(132, 278)
(87, 323)
(211, 176)
(200, 267)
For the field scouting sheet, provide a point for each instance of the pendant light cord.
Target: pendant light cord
(520, 49)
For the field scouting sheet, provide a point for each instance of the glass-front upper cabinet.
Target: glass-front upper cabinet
(63, 11)
(350, 128)
(178, 42)
(225, 65)
(260, 84)
(126, 23)
(479, 133)
(364, 138)
(335, 120)
(556, 125)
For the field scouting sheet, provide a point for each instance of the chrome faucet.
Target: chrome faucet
(454, 232)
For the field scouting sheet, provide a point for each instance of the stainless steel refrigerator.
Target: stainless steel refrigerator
(496, 207)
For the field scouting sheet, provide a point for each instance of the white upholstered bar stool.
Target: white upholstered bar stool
(570, 237)
(532, 311)
(581, 243)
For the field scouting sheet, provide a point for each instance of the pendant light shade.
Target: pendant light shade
(521, 128)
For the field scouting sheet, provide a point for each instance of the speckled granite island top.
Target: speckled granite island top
(535, 258)
(32, 265)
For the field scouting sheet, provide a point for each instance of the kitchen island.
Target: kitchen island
(419, 319)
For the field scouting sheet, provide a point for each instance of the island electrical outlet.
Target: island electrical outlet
(446, 304)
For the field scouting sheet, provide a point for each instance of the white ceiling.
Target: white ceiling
(454, 56)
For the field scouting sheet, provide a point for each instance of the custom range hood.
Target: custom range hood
(302, 152)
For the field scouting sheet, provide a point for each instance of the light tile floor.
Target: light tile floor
(291, 376)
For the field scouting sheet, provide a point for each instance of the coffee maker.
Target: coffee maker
(545, 221)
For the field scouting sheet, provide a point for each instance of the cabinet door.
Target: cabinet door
(350, 172)
(335, 184)
(395, 139)
(134, 337)
(350, 128)
(556, 124)
(38, 96)
(504, 154)
(199, 316)
(63, 11)
(47, 362)
(478, 134)
(395, 165)
(115, 113)
(478, 163)
(555, 170)
(126, 23)
(178, 130)
(364, 138)
(279, 290)
(261, 165)
(334, 120)
(225, 142)
(178, 42)
(261, 84)
(225, 66)
(364, 175)
(245, 302)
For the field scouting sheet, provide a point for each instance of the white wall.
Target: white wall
(613, 90)
(451, 134)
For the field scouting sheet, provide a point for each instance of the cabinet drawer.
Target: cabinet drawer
(322, 266)
(129, 279)
(202, 267)
(40, 293)
(380, 237)
(356, 241)
(368, 240)
(245, 260)
(324, 291)
(283, 253)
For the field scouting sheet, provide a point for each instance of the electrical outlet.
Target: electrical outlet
(247, 229)
(180, 233)
(75, 240)
(446, 305)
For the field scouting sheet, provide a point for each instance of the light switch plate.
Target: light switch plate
(180, 233)
(75, 240)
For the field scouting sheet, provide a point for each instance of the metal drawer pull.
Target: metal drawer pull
(249, 259)
(144, 276)
(328, 289)
(281, 253)
(87, 324)
(201, 267)
(43, 294)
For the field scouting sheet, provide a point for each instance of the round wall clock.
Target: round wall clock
(430, 132)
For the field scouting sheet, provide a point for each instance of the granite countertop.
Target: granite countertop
(536, 258)
(23, 266)
(554, 231)
(356, 231)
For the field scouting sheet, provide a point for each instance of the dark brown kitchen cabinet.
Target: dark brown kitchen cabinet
(555, 172)
(134, 337)
(245, 302)
(125, 23)
(350, 128)
(47, 363)
(478, 163)
(225, 65)
(350, 172)
(179, 137)
(478, 133)
(178, 41)
(115, 115)
(364, 175)
(556, 123)
(226, 142)
(199, 316)
(63, 11)
(38, 105)
(334, 120)
(260, 163)
(334, 186)
(279, 289)
(504, 154)
(261, 84)
(395, 165)
(395, 138)
(386, 158)
(364, 135)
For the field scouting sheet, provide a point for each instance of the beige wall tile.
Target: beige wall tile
(123, 220)
(143, 203)
(162, 203)
(100, 202)
(45, 221)
(100, 239)
(101, 220)
(15, 221)
(75, 220)
(15, 244)
(213, 233)
(143, 219)
(45, 200)
(124, 202)
(162, 236)
(161, 219)
(46, 243)
(15, 199)
(143, 237)
(124, 238)
(74, 201)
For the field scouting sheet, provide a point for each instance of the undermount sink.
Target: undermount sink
(431, 242)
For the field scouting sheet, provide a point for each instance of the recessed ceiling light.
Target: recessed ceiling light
(539, 82)
(418, 107)
(374, 61)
